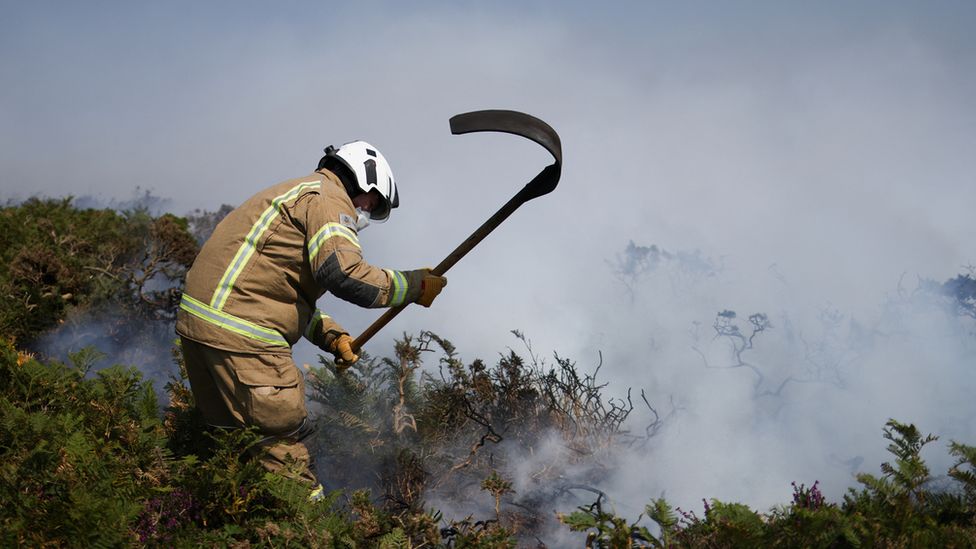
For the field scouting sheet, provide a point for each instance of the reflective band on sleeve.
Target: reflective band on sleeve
(314, 323)
(327, 232)
(399, 290)
(231, 323)
(251, 242)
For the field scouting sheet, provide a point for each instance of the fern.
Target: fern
(396, 539)
(964, 470)
(351, 421)
(661, 512)
(909, 472)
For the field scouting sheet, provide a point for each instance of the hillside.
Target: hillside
(420, 448)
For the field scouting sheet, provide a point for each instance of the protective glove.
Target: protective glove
(341, 347)
(423, 287)
(430, 287)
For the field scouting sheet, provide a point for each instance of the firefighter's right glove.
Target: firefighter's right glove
(341, 347)
(423, 287)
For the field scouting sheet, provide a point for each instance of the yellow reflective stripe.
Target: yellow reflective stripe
(399, 289)
(327, 232)
(317, 318)
(250, 244)
(230, 322)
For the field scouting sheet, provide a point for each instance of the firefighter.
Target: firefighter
(251, 294)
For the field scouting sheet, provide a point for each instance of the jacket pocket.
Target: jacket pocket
(273, 394)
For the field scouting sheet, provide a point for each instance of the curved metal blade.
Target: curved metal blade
(513, 122)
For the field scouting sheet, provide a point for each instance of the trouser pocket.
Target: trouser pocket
(273, 394)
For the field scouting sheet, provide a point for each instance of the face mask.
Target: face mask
(362, 219)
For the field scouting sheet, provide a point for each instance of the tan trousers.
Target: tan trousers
(267, 391)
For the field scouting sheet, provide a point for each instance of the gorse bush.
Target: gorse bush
(462, 435)
(56, 260)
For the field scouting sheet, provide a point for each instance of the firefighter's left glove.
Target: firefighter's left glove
(341, 347)
(423, 286)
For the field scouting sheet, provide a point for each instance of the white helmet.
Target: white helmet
(371, 171)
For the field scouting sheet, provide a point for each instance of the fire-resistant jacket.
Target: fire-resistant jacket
(254, 285)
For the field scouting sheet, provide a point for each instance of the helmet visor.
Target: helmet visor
(381, 212)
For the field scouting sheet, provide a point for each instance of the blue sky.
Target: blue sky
(830, 144)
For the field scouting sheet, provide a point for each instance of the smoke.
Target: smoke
(134, 328)
(802, 398)
(146, 346)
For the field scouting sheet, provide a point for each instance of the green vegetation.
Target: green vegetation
(896, 510)
(57, 261)
(89, 459)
